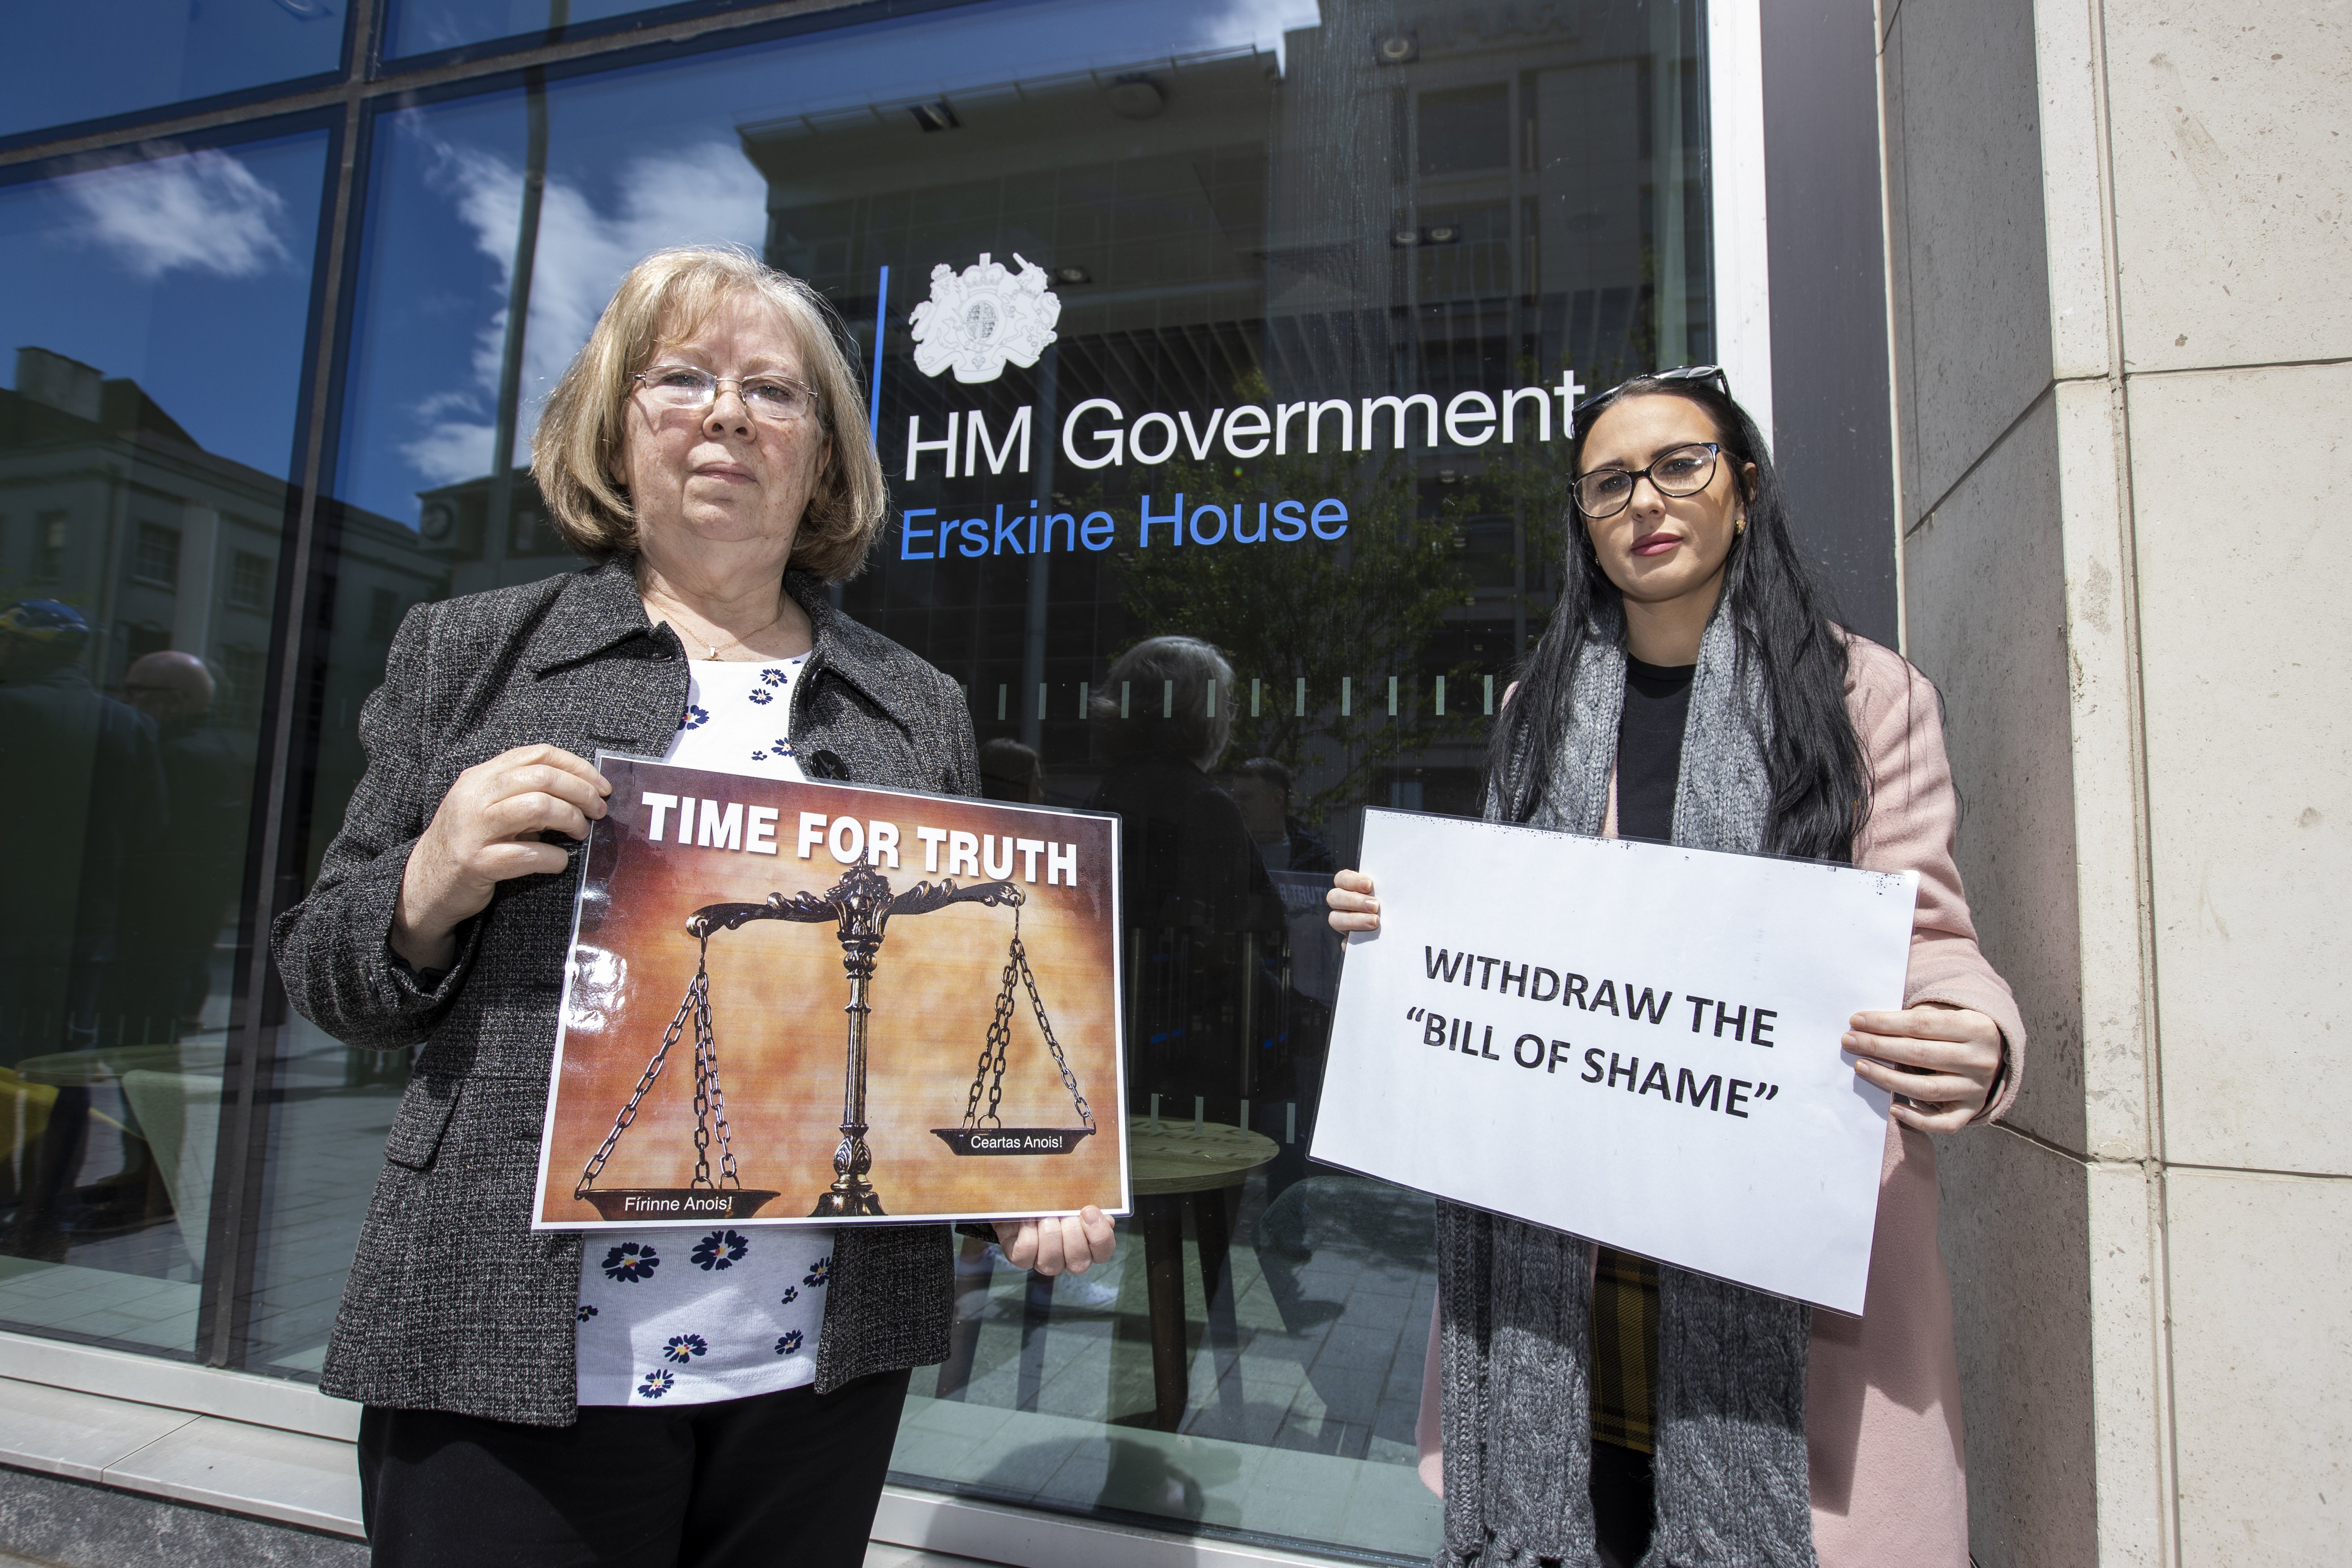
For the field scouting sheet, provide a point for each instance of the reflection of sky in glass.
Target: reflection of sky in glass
(189, 274)
(422, 26)
(64, 63)
(638, 159)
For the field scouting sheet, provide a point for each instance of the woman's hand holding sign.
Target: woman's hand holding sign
(487, 830)
(1939, 1061)
(1353, 908)
(1072, 1242)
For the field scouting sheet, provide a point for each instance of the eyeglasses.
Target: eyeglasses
(1679, 471)
(771, 399)
(1713, 372)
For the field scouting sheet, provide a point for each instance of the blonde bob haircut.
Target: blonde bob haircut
(666, 299)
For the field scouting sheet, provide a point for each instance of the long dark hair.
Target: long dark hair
(1820, 788)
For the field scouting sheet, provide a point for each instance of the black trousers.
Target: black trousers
(1623, 1503)
(778, 1479)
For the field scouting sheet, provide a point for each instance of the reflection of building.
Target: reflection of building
(1545, 190)
(1220, 230)
(455, 548)
(454, 526)
(109, 506)
(1152, 227)
(1152, 222)
(113, 509)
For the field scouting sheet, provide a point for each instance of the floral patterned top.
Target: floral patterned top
(689, 1314)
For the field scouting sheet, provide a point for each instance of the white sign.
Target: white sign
(983, 317)
(1630, 1042)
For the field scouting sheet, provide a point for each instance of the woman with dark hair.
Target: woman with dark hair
(1691, 688)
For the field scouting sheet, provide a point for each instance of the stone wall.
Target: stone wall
(2121, 294)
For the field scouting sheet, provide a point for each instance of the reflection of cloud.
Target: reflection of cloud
(202, 211)
(700, 193)
(452, 449)
(1229, 24)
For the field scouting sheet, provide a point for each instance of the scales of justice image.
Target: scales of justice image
(860, 907)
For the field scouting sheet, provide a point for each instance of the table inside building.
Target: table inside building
(1176, 1169)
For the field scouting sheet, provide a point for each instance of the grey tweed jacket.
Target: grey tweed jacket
(454, 1302)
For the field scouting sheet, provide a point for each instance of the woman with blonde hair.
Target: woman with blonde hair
(717, 1400)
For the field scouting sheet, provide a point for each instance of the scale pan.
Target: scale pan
(1012, 1140)
(655, 1204)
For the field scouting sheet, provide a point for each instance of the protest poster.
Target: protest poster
(819, 1003)
(1635, 1043)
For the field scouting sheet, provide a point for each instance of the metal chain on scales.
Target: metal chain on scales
(709, 1094)
(1000, 1039)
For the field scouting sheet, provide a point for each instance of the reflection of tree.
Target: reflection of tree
(1529, 482)
(1364, 607)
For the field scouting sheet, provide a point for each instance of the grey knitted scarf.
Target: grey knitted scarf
(1516, 1300)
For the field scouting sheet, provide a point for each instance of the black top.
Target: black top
(1650, 747)
(1649, 763)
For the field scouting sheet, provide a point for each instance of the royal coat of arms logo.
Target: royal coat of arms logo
(988, 315)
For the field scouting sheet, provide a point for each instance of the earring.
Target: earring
(1739, 526)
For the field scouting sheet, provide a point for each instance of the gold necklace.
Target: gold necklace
(783, 604)
(717, 649)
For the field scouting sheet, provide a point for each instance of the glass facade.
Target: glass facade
(158, 306)
(416, 29)
(1257, 326)
(79, 64)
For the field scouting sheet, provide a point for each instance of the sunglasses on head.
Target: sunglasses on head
(1713, 372)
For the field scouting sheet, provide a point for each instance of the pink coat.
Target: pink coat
(1883, 1397)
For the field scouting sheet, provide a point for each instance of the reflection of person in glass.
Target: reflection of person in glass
(1201, 915)
(684, 1396)
(1261, 788)
(82, 791)
(189, 884)
(1691, 689)
(1300, 865)
(81, 781)
(1011, 771)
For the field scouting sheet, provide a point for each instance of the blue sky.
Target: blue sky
(67, 62)
(638, 159)
(190, 273)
